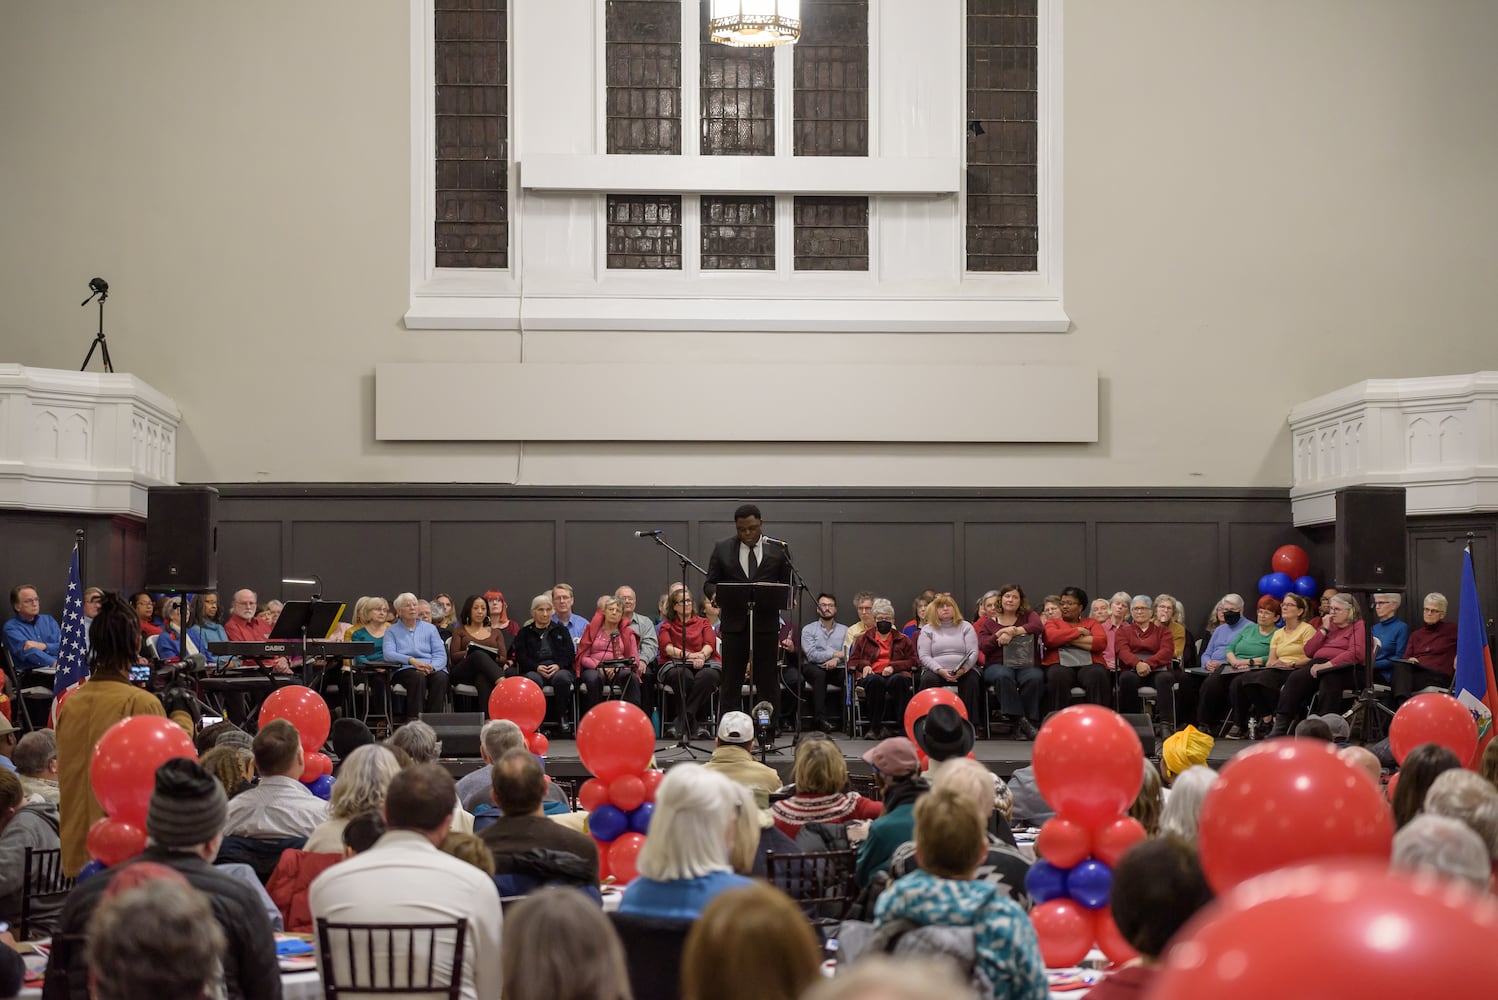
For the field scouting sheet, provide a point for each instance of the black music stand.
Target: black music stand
(762, 597)
(302, 620)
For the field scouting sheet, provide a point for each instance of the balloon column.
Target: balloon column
(1089, 765)
(520, 700)
(305, 709)
(122, 773)
(615, 742)
(1287, 574)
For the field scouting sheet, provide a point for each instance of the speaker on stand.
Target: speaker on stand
(181, 540)
(1372, 556)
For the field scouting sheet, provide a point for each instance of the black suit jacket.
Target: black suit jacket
(724, 567)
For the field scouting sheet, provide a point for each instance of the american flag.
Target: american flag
(72, 656)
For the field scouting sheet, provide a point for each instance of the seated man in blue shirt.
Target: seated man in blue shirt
(32, 637)
(1390, 634)
(418, 648)
(824, 660)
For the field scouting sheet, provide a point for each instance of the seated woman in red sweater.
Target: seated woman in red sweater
(1337, 645)
(603, 643)
(687, 650)
(821, 778)
(1074, 649)
(883, 662)
(1142, 646)
(1430, 655)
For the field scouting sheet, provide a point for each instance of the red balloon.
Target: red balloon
(925, 701)
(1109, 941)
(628, 792)
(122, 770)
(652, 781)
(603, 860)
(1115, 837)
(314, 766)
(303, 708)
(615, 738)
(1433, 718)
(1088, 764)
(520, 700)
(537, 743)
(1064, 930)
(1290, 801)
(1390, 785)
(592, 794)
(112, 841)
(1063, 843)
(1290, 560)
(623, 853)
(1337, 931)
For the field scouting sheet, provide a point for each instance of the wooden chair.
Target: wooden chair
(652, 951)
(821, 882)
(43, 881)
(391, 959)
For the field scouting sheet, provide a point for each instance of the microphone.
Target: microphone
(649, 534)
(776, 541)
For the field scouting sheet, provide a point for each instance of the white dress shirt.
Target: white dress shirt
(759, 555)
(403, 879)
(277, 807)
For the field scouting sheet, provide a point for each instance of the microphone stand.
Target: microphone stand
(799, 590)
(99, 341)
(684, 737)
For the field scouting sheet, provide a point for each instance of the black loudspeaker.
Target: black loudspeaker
(1371, 538)
(458, 731)
(181, 539)
(1144, 728)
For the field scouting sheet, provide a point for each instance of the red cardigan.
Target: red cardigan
(1058, 633)
(1152, 644)
(698, 634)
(902, 655)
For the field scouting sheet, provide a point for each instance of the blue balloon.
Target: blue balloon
(1279, 585)
(607, 823)
(322, 787)
(1045, 882)
(639, 819)
(1265, 582)
(92, 868)
(1089, 883)
(1306, 587)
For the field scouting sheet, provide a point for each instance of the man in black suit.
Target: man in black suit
(748, 557)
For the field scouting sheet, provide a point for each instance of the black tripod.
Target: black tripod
(1364, 711)
(99, 288)
(684, 737)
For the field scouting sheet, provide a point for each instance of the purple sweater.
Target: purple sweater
(944, 646)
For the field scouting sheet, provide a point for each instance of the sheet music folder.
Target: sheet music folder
(320, 619)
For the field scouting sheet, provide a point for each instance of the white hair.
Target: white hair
(545, 599)
(1232, 601)
(419, 740)
(1444, 845)
(1183, 810)
(1467, 797)
(969, 779)
(1393, 599)
(363, 779)
(881, 606)
(401, 600)
(1438, 599)
(499, 736)
(1122, 595)
(691, 828)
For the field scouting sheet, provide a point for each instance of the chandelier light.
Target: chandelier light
(755, 23)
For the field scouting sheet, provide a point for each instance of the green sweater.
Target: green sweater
(1251, 644)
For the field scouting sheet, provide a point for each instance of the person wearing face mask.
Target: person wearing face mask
(1214, 656)
(883, 659)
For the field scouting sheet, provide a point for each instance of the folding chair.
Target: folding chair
(391, 959)
(42, 882)
(821, 882)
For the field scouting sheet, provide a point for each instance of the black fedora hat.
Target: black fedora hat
(943, 733)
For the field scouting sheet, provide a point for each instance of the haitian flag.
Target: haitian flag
(1474, 686)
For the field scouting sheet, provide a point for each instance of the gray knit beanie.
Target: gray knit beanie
(188, 807)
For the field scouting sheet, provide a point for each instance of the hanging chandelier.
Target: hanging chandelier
(755, 23)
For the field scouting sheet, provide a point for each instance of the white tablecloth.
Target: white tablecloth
(294, 986)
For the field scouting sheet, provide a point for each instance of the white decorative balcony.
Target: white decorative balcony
(83, 442)
(1437, 437)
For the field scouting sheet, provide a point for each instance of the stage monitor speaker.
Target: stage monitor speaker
(181, 539)
(1371, 538)
(1144, 728)
(458, 731)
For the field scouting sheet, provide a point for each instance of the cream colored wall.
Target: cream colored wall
(1263, 201)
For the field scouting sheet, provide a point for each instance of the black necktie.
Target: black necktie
(753, 563)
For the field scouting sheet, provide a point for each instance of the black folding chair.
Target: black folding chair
(821, 882)
(43, 882)
(652, 951)
(390, 959)
(30, 686)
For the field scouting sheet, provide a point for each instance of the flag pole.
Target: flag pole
(78, 539)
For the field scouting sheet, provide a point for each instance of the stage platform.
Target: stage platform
(1003, 757)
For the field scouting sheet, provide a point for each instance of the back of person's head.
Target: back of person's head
(820, 768)
(1313, 728)
(1488, 765)
(1463, 795)
(519, 783)
(1183, 810)
(1157, 886)
(363, 781)
(689, 830)
(278, 747)
(348, 735)
(752, 943)
(1443, 845)
(1150, 801)
(1188, 748)
(158, 940)
(1419, 770)
(499, 736)
(881, 978)
(745, 817)
(422, 797)
(34, 752)
(207, 738)
(469, 847)
(363, 831)
(12, 795)
(558, 945)
(969, 779)
(951, 836)
(419, 740)
(188, 808)
(1365, 760)
(114, 634)
(227, 764)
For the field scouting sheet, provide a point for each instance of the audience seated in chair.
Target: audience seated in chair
(883, 660)
(824, 657)
(155, 938)
(545, 654)
(1009, 646)
(605, 640)
(363, 780)
(1074, 649)
(1143, 646)
(33, 639)
(477, 650)
(821, 796)
(35, 760)
(687, 651)
(734, 758)
(897, 769)
(417, 658)
(752, 943)
(560, 946)
(280, 807)
(1336, 650)
(1446, 847)
(1430, 652)
(291, 882)
(531, 850)
(1390, 635)
(947, 648)
(24, 825)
